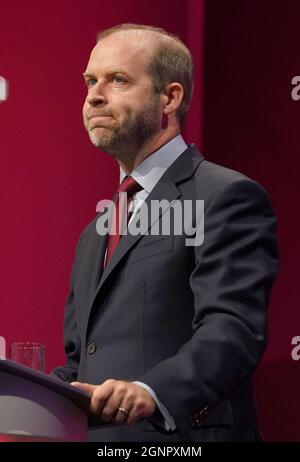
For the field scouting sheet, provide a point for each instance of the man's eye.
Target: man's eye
(118, 79)
(90, 82)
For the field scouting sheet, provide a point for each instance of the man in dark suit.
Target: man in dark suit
(164, 334)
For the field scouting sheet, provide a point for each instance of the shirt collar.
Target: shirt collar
(148, 172)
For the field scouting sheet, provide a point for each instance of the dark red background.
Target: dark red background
(252, 124)
(51, 177)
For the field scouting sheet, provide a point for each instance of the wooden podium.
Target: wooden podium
(38, 407)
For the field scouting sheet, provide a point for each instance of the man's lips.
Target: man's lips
(100, 116)
(99, 121)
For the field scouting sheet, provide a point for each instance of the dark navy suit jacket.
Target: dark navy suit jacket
(191, 322)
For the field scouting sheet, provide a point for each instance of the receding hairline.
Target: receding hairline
(152, 37)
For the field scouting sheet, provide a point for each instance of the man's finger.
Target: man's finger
(84, 387)
(100, 397)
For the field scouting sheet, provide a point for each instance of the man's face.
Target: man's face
(120, 112)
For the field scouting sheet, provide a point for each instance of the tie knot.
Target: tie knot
(130, 186)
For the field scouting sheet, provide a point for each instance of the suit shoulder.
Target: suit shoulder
(213, 178)
(218, 174)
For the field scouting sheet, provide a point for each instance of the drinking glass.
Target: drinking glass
(29, 354)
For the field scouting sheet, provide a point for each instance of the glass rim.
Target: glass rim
(26, 345)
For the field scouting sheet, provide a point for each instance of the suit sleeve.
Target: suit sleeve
(72, 342)
(234, 271)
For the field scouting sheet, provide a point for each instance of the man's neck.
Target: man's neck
(129, 165)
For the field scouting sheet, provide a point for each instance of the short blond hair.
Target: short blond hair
(171, 61)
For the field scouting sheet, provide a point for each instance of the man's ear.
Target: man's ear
(173, 97)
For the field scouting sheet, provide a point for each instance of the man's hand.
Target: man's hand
(119, 401)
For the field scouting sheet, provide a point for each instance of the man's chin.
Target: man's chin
(98, 140)
(103, 145)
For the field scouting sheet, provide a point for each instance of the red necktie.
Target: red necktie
(130, 186)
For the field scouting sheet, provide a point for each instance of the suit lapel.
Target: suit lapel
(163, 190)
(166, 188)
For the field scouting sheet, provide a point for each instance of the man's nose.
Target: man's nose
(96, 95)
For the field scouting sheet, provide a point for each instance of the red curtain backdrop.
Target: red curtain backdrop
(252, 124)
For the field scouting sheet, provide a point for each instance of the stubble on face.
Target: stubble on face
(124, 139)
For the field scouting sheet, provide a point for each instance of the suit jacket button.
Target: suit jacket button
(91, 348)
